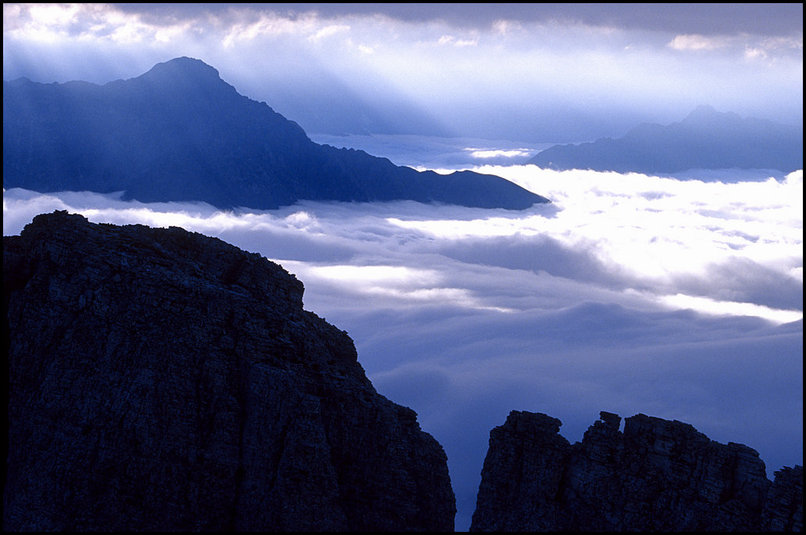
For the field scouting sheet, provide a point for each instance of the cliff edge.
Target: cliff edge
(656, 475)
(164, 380)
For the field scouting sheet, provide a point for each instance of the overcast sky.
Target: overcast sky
(531, 72)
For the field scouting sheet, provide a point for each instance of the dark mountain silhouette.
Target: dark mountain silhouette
(180, 133)
(705, 139)
(162, 380)
(654, 476)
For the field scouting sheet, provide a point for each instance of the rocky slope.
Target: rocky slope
(180, 133)
(656, 475)
(164, 380)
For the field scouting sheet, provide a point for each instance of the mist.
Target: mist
(680, 299)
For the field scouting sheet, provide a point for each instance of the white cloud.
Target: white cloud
(58, 15)
(266, 25)
(505, 27)
(446, 39)
(728, 308)
(697, 42)
(328, 31)
(629, 231)
(466, 42)
(484, 154)
(755, 53)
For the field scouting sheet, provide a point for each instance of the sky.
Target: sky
(542, 73)
(681, 299)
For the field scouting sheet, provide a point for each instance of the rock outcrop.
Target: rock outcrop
(164, 380)
(656, 475)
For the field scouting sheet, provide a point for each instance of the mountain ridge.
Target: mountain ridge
(163, 380)
(704, 139)
(180, 133)
(654, 475)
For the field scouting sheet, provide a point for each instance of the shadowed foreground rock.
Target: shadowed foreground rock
(164, 380)
(656, 475)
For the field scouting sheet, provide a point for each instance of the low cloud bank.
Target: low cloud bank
(678, 299)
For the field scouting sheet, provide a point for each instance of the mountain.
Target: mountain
(705, 139)
(654, 476)
(180, 133)
(162, 380)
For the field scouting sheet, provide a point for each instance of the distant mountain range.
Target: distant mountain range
(705, 139)
(180, 133)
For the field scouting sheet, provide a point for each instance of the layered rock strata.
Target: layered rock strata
(656, 475)
(164, 380)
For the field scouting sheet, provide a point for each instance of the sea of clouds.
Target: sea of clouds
(681, 299)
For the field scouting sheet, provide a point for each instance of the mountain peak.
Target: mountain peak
(703, 110)
(180, 132)
(707, 113)
(704, 139)
(183, 67)
(533, 479)
(249, 408)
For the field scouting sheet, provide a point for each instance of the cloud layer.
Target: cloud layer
(678, 299)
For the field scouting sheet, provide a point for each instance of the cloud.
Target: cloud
(633, 240)
(697, 42)
(767, 19)
(328, 31)
(485, 154)
(454, 41)
(725, 308)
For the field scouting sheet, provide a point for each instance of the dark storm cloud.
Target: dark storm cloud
(705, 19)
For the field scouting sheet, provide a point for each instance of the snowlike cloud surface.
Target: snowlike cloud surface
(537, 72)
(680, 299)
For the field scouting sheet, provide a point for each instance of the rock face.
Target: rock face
(656, 475)
(783, 510)
(180, 133)
(164, 380)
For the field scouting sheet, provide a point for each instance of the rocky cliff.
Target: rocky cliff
(164, 380)
(655, 475)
